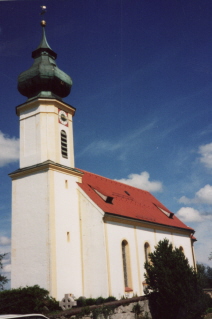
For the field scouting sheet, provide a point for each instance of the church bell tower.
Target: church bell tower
(45, 120)
(45, 221)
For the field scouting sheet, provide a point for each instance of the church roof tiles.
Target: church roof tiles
(122, 200)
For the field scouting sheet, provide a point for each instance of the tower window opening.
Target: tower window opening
(64, 146)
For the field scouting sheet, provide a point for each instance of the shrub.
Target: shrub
(110, 298)
(25, 300)
(83, 302)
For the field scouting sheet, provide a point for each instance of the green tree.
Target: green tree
(205, 274)
(27, 300)
(174, 288)
(3, 279)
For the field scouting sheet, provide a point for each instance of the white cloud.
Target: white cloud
(185, 200)
(4, 240)
(142, 181)
(9, 149)
(202, 196)
(99, 147)
(6, 268)
(189, 214)
(206, 154)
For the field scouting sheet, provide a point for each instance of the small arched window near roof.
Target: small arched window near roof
(146, 251)
(64, 145)
(126, 264)
(181, 249)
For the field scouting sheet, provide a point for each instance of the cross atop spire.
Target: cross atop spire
(43, 8)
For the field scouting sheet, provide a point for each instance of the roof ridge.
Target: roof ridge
(115, 181)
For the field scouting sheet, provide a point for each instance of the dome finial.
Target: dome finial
(43, 23)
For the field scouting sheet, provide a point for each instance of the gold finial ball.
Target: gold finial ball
(43, 23)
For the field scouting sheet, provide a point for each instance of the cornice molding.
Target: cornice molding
(42, 167)
(38, 101)
(108, 217)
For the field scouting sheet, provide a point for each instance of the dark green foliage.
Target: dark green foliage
(85, 311)
(83, 302)
(90, 301)
(3, 279)
(26, 300)
(96, 312)
(205, 273)
(100, 300)
(209, 310)
(110, 298)
(174, 288)
(106, 311)
(137, 309)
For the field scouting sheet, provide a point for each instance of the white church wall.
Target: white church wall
(162, 234)
(28, 155)
(67, 235)
(144, 235)
(30, 246)
(95, 273)
(116, 233)
(47, 140)
(137, 236)
(37, 128)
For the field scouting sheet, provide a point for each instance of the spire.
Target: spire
(44, 78)
(43, 46)
(43, 43)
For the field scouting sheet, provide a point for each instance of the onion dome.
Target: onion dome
(44, 78)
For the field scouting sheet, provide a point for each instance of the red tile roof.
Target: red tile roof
(127, 201)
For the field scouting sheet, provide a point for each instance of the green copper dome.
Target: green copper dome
(44, 78)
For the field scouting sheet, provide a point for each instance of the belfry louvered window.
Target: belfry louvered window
(64, 146)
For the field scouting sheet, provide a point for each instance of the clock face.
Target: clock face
(63, 117)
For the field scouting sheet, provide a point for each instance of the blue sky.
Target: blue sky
(142, 74)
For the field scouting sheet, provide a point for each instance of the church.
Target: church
(74, 231)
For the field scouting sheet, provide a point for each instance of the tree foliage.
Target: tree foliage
(205, 274)
(3, 279)
(174, 288)
(27, 300)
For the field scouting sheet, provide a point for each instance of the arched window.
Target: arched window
(64, 146)
(146, 251)
(126, 264)
(181, 249)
